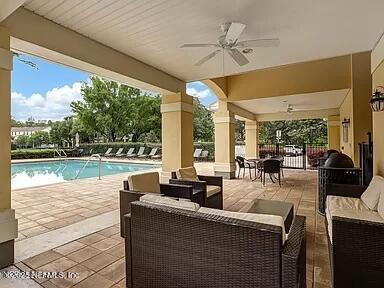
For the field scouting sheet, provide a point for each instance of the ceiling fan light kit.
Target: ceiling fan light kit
(229, 43)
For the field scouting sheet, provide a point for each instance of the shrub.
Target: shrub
(36, 153)
(314, 155)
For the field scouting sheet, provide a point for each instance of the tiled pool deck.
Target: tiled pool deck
(99, 257)
(45, 208)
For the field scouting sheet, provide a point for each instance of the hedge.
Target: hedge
(101, 148)
(36, 153)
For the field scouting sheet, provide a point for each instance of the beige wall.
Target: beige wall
(356, 106)
(378, 125)
(346, 112)
(300, 78)
(5, 125)
(218, 86)
(334, 132)
(362, 91)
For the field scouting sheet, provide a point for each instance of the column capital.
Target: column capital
(6, 59)
(333, 123)
(224, 119)
(176, 107)
(251, 125)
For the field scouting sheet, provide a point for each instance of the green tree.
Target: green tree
(115, 110)
(144, 117)
(62, 131)
(105, 108)
(203, 126)
(22, 141)
(38, 138)
(78, 127)
(239, 130)
(294, 131)
(16, 123)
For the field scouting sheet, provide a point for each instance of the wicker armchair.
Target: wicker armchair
(212, 187)
(356, 249)
(170, 247)
(129, 195)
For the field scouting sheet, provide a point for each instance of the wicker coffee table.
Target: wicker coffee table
(271, 207)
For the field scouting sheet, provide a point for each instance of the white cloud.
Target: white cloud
(199, 94)
(54, 105)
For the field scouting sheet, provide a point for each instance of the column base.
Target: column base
(226, 175)
(226, 170)
(164, 177)
(7, 253)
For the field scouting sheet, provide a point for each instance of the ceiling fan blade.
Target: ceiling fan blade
(199, 45)
(238, 57)
(209, 56)
(234, 31)
(259, 43)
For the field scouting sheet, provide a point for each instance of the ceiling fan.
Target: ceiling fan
(289, 108)
(228, 42)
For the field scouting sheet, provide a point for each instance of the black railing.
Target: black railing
(296, 156)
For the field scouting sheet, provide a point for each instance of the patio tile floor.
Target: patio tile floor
(99, 257)
(46, 208)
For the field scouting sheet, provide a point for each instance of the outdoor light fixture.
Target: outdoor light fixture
(345, 123)
(377, 100)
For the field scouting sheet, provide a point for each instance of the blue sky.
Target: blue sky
(46, 93)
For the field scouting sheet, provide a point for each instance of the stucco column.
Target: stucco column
(177, 132)
(224, 142)
(8, 223)
(251, 139)
(333, 125)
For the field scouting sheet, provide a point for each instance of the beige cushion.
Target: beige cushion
(380, 206)
(212, 190)
(371, 196)
(188, 173)
(169, 202)
(252, 217)
(348, 207)
(145, 182)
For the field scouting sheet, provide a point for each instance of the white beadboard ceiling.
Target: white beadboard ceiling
(300, 102)
(153, 30)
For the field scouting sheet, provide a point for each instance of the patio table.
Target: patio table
(260, 160)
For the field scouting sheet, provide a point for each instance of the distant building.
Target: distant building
(27, 131)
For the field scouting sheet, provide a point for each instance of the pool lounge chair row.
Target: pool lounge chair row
(200, 154)
(130, 153)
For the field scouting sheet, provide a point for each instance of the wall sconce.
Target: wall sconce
(377, 100)
(345, 124)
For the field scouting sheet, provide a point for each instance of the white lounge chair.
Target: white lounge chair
(108, 152)
(118, 153)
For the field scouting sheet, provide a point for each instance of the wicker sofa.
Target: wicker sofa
(176, 247)
(212, 186)
(144, 183)
(355, 237)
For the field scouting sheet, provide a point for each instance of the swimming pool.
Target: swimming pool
(49, 172)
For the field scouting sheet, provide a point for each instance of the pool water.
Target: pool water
(49, 172)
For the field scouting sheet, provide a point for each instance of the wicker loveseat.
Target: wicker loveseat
(355, 237)
(174, 247)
